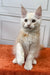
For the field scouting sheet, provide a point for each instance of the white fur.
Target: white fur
(14, 61)
(20, 54)
(34, 62)
(28, 42)
(28, 66)
(30, 16)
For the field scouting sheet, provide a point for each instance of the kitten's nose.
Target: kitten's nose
(28, 25)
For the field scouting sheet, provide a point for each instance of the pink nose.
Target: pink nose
(28, 25)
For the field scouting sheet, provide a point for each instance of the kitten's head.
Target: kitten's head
(31, 20)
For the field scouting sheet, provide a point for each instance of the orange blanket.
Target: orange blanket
(8, 68)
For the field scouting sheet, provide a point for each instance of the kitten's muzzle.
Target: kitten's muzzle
(28, 26)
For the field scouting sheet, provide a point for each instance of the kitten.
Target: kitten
(27, 45)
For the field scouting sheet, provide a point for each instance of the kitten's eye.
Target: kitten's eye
(25, 20)
(33, 20)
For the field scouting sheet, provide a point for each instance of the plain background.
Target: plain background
(10, 15)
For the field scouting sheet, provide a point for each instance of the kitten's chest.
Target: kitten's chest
(28, 39)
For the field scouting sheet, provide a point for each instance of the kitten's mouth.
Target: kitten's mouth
(27, 27)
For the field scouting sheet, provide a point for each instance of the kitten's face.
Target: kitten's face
(31, 20)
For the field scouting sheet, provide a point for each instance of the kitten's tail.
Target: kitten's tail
(41, 47)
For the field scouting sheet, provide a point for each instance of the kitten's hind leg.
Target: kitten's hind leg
(34, 62)
(14, 61)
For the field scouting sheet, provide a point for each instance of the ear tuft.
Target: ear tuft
(23, 11)
(38, 12)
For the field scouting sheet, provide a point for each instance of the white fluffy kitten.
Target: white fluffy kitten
(28, 42)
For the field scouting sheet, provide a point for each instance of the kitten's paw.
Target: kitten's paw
(14, 61)
(28, 66)
(34, 62)
(20, 61)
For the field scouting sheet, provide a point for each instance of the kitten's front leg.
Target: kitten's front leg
(28, 64)
(19, 54)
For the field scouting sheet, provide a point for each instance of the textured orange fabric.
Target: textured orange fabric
(8, 68)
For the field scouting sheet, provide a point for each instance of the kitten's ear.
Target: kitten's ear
(23, 11)
(38, 12)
